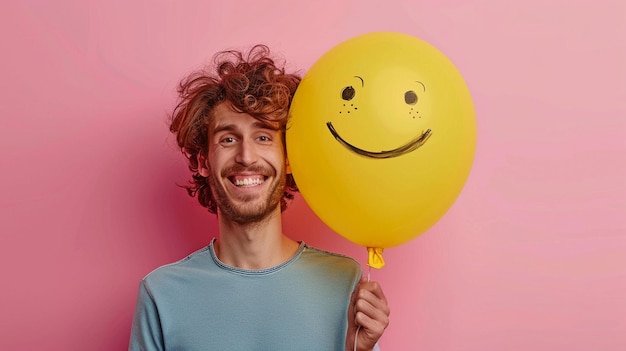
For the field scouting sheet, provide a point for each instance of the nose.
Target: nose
(246, 153)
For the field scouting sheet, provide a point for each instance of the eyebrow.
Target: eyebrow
(422, 84)
(362, 82)
(233, 127)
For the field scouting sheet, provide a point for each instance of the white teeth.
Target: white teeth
(248, 181)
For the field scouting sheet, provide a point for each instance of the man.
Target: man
(252, 287)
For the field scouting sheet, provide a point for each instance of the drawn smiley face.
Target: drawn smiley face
(381, 137)
(349, 106)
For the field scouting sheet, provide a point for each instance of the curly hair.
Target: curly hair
(253, 84)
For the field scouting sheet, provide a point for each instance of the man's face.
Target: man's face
(245, 165)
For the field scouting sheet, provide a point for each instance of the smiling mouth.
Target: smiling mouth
(406, 148)
(244, 182)
(246, 177)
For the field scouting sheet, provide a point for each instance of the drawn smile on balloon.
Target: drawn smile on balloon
(404, 149)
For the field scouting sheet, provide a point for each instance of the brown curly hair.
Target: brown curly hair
(253, 84)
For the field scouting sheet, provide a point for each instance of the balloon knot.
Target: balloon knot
(375, 257)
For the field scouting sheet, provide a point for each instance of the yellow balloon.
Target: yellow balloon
(381, 138)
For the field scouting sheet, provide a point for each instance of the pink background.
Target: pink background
(532, 256)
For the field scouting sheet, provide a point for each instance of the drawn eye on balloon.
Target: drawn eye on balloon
(348, 93)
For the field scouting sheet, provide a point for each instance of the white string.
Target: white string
(356, 336)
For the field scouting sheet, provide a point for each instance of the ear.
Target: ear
(203, 165)
(287, 166)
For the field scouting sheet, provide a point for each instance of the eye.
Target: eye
(227, 140)
(348, 93)
(264, 138)
(410, 97)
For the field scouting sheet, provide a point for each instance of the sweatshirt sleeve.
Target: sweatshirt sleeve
(146, 333)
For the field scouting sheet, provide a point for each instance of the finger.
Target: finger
(369, 311)
(373, 287)
(371, 297)
(372, 327)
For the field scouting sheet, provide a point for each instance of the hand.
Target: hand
(368, 309)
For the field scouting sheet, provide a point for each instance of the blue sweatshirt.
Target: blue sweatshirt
(200, 303)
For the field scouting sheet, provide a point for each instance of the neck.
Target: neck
(256, 245)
